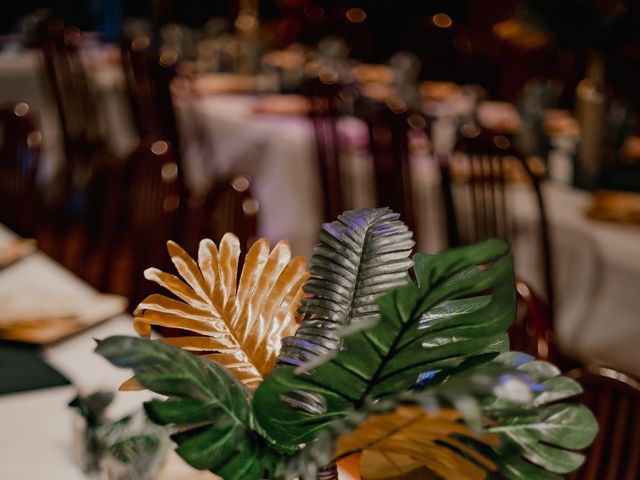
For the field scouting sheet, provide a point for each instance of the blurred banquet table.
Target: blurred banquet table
(276, 152)
(228, 137)
(37, 426)
(23, 78)
(597, 264)
(597, 271)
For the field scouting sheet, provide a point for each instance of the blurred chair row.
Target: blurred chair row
(118, 215)
(109, 219)
(475, 181)
(475, 178)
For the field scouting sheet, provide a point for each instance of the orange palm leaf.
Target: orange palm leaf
(238, 324)
(411, 437)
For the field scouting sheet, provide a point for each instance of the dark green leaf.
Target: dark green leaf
(463, 307)
(545, 433)
(211, 408)
(467, 389)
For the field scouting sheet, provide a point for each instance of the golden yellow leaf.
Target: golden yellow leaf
(238, 324)
(396, 443)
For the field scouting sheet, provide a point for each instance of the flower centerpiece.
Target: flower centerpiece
(401, 360)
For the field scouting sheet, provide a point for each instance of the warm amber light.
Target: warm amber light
(356, 15)
(21, 109)
(168, 58)
(160, 147)
(140, 43)
(246, 21)
(396, 104)
(169, 172)
(328, 76)
(34, 139)
(416, 122)
(442, 20)
(240, 184)
(501, 142)
(250, 206)
(470, 130)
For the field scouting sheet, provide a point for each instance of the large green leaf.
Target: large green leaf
(462, 307)
(359, 256)
(544, 431)
(440, 429)
(508, 396)
(209, 406)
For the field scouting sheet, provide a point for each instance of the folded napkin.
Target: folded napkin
(281, 105)
(45, 317)
(219, 83)
(620, 207)
(22, 369)
(499, 116)
(372, 73)
(439, 91)
(15, 250)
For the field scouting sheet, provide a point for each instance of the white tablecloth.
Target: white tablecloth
(23, 79)
(36, 440)
(597, 264)
(597, 271)
(278, 153)
(37, 426)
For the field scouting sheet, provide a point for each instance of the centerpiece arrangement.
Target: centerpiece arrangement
(283, 372)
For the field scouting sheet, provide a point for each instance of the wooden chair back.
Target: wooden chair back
(323, 100)
(70, 87)
(390, 152)
(148, 76)
(227, 207)
(145, 205)
(614, 398)
(532, 330)
(475, 195)
(77, 195)
(19, 161)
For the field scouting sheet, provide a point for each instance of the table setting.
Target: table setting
(231, 128)
(42, 372)
(182, 300)
(127, 446)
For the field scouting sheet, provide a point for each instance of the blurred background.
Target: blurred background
(125, 123)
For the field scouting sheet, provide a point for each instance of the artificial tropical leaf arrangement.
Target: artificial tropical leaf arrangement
(411, 371)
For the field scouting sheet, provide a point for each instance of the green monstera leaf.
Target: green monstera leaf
(545, 432)
(210, 407)
(440, 431)
(500, 419)
(462, 307)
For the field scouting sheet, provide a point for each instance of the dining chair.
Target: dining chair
(389, 129)
(228, 206)
(532, 329)
(444, 48)
(149, 75)
(83, 143)
(323, 97)
(614, 398)
(476, 180)
(76, 192)
(19, 163)
(145, 205)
